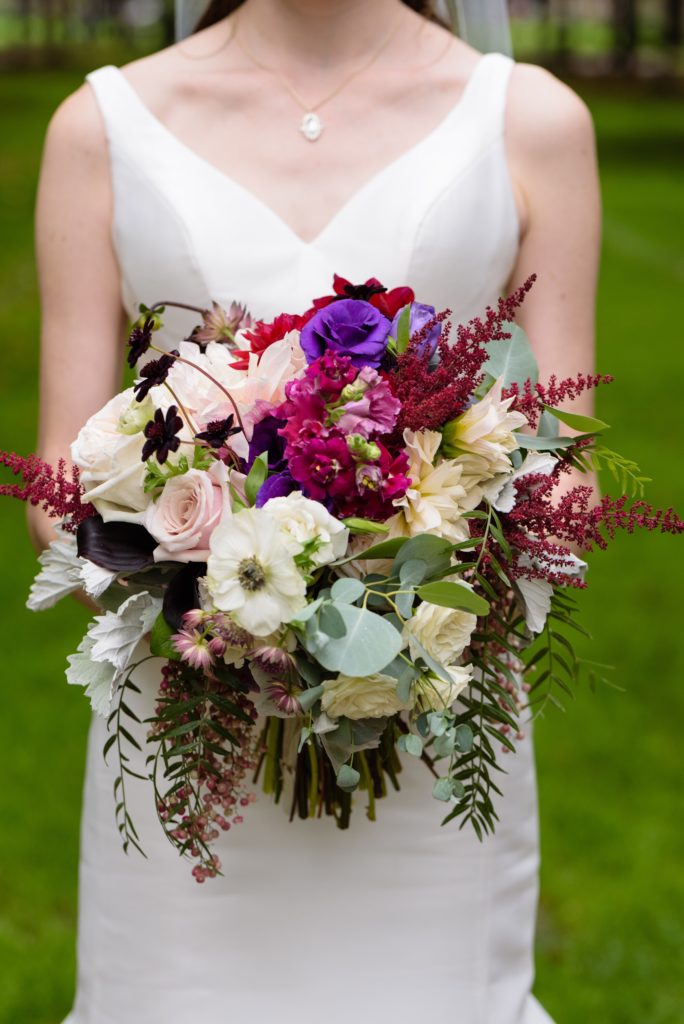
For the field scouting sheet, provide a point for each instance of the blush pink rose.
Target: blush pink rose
(186, 513)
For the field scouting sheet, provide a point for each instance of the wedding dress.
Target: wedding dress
(309, 923)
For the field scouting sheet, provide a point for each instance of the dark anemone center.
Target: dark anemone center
(251, 574)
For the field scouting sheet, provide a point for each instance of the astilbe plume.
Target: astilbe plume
(59, 491)
(431, 396)
(531, 398)
(540, 527)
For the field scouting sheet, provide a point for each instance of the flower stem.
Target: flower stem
(189, 362)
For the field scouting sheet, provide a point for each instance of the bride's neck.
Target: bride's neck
(318, 32)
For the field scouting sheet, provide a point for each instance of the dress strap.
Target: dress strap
(488, 93)
(120, 111)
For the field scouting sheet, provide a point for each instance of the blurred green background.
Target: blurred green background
(611, 926)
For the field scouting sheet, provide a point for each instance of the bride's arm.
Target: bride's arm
(552, 158)
(82, 320)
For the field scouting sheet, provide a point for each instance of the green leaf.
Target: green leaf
(357, 525)
(464, 738)
(385, 549)
(404, 329)
(347, 590)
(370, 643)
(348, 778)
(453, 595)
(543, 444)
(442, 790)
(308, 698)
(434, 551)
(411, 743)
(160, 640)
(331, 622)
(512, 358)
(586, 424)
(256, 477)
(413, 572)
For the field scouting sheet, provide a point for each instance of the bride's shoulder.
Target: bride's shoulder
(544, 115)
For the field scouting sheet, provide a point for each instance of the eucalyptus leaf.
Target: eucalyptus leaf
(305, 614)
(347, 589)
(434, 551)
(370, 643)
(442, 789)
(308, 698)
(464, 738)
(413, 571)
(453, 595)
(413, 744)
(513, 358)
(330, 621)
(348, 778)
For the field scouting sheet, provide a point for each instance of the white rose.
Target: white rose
(443, 632)
(304, 522)
(185, 513)
(112, 470)
(434, 694)
(370, 697)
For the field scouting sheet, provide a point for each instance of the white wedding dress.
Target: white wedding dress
(386, 921)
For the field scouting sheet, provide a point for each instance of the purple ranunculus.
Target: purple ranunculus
(350, 327)
(419, 316)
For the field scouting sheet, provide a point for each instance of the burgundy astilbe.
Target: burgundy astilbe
(59, 490)
(432, 397)
(540, 527)
(531, 398)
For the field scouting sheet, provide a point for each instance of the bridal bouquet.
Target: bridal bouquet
(342, 532)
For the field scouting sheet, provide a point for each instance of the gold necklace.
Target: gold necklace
(311, 126)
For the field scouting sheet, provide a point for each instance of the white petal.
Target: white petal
(95, 579)
(537, 596)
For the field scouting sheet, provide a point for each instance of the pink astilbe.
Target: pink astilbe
(430, 397)
(531, 398)
(58, 491)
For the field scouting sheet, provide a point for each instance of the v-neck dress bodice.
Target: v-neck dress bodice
(388, 919)
(442, 216)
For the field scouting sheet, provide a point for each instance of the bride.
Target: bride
(284, 141)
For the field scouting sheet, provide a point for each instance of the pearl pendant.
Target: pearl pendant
(311, 126)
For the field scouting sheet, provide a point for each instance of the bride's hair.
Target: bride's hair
(218, 9)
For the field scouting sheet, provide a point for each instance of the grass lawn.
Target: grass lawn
(611, 929)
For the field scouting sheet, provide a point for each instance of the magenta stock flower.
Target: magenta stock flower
(324, 467)
(372, 408)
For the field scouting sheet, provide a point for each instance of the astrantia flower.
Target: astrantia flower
(193, 648)
(251, 573)
(219, 324)
(162, 434)
(350, 327)
(486, 431)
(153, 373)
(436, 499)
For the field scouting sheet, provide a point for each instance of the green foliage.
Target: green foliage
(158, 474)
(256, 477)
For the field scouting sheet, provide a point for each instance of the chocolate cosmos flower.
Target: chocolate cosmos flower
(153, 373)
(161, 434)
(218, 432)
(349, 327)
